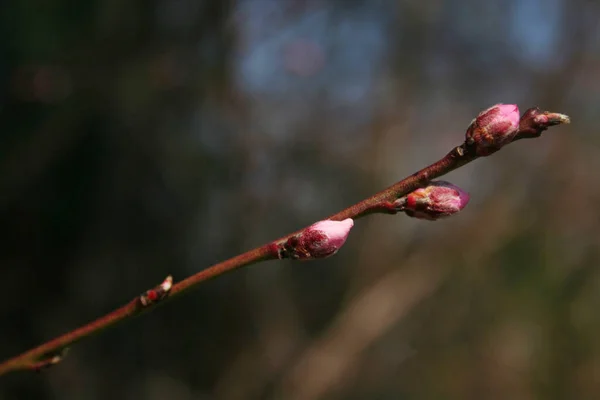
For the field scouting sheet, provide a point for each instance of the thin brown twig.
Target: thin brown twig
(51, 353)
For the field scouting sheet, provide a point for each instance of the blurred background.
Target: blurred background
(146, 138)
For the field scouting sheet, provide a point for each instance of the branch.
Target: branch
(491, 130)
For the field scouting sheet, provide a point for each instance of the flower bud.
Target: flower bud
(320, 240)
(535, 121)
(437, 200)
(493, 128)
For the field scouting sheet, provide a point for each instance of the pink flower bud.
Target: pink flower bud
(493, 128)
(320, 240)
(437, 200)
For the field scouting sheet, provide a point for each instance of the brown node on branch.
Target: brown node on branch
(49, 361)
(157, 293)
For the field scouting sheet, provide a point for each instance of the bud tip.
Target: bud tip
(337, 231)
(535, 121)
(552, 119)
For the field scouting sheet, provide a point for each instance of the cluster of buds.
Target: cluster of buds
(320, 240)
(437, 200)
(323, 239)
(500, 124)
(489, 132)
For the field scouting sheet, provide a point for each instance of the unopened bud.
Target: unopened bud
(535, 121)
(437, 200)
(320, 240)
(157, 293)
(493, 128)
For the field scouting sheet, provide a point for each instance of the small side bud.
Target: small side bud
(157, 293)
(50, 360)
(493, 128)
(534, 121)
(437, 200)
(320, 240)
